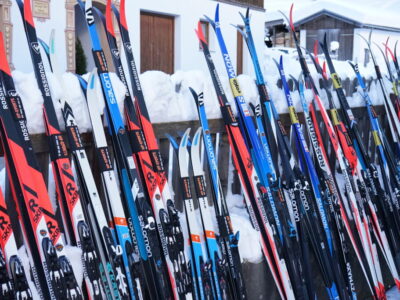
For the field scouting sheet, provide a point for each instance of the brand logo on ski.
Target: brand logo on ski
(35, 47)
(89, 16)
(128, 47)
(201, 98)
(12, 93)
(115, 52)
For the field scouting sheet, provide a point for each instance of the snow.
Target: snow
(32, 99)
(393, 293)
(248, 236)
(168, 98)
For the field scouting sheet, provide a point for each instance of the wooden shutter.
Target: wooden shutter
(156, 42)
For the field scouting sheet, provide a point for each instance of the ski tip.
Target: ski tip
(248, 13)
(244, 35)
(197, 135)
(388, 50)
(123, 14)
(252, 108)
(172, 141)
(81, 5)
(185, 138)
(325, 41)
(216, 19)
(315, 50)
(45, 47)
(324, 67)
(352, 64)
(28, 12)
(291, 17)
(52, 41)
(281, 61)
(4, 66)
(193, 93)
(109, 22)
(82, 82)
(200, 33)
(92, 79)
(370, 36)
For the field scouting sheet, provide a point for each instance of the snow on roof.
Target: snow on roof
(369, 13)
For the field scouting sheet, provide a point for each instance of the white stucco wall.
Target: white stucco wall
(21, 57)
(379, 37)
(187, 13)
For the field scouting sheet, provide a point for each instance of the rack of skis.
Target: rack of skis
(132, 242)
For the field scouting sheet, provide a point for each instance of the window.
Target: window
(156, 42)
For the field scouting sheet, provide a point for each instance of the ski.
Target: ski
(227, 239)
(196, 236)
(205, 213)
(13, 283)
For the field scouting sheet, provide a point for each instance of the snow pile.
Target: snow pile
(169, 99)
(32, 99)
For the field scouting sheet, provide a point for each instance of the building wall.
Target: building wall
(21, 57)
(186, 13)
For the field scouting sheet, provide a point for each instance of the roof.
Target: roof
(368, 13)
